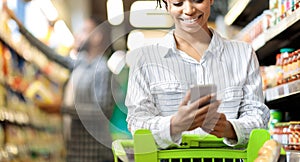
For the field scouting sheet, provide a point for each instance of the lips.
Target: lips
(190, 20)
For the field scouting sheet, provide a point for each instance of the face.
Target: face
(189, 15)
(95, 38)
(87, 28)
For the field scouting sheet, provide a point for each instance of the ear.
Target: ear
(211, 2)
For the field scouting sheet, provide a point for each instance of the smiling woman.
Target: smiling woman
(191, 18)
(158, 96)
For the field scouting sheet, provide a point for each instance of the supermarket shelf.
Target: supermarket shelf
(244, 11)
(282, 91)
(285, 98)
(23, 119)
(287, 104)
(285, 33)
(27, 152)
(12, 116)
(39, 61)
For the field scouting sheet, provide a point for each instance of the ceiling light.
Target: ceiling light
(63, 33)
(48, 9)
(235, 11)
(115, 11)
(146, 14)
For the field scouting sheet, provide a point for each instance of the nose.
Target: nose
(188, 8)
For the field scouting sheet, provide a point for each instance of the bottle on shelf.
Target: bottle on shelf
(298, 63)
(294, 138)
(285, 133)
(286, 63)
(294, 67)
(297, 4)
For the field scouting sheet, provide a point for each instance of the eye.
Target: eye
(177, 4)
(198, 1)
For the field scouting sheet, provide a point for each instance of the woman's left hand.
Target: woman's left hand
(217, 124)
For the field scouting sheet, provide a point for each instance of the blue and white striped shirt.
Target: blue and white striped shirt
(162, 74)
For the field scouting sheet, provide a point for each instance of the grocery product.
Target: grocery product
(269, 152)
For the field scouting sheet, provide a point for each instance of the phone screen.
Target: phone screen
(198, 91)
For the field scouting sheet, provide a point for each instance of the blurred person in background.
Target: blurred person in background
(89, 138)
(87, 102)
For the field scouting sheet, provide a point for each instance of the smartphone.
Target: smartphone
(198, 91)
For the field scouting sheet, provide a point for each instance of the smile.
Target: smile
(190, 21)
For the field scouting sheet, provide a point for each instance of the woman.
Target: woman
(194, 54)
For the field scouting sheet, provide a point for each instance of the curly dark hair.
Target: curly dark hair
(159, 3)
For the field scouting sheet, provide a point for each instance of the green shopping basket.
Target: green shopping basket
(193, 148)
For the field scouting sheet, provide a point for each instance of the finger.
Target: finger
(209, 125)
(198, 120)
(217, 122)
(213, 107)
(219, 127)
(215, 103)
(218, 130)
(205, 112)
(202, 118)
(213, 97)
(212, 132)
(210, 108)
(213, 125)
(205, 116)
(215, 116)
(186, 98)
(199, 117)
(208, 130)
(216, 133)
(201, 101)
(211, 120)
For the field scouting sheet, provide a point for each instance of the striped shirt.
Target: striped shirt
(162, 74)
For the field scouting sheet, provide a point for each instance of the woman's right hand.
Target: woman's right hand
(193, 115)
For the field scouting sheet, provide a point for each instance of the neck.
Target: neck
(93, 53)
(202, 36)
(194, 44)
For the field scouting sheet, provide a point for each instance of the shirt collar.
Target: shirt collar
(215, 47)
(168, 44)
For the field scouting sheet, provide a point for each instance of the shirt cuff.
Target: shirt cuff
(164, 138)
(240, 135)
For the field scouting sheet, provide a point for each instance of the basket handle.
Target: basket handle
(145, 148)
(119, 151)
(257, 138)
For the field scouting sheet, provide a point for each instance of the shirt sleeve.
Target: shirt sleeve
(142, 112)
(253, 113)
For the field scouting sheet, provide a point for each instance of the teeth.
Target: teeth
(190, 21)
